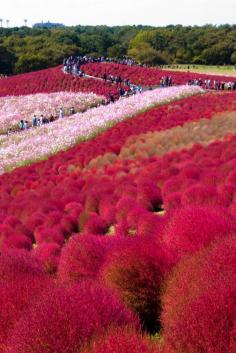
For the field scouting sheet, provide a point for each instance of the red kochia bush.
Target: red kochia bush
(188, 229)
(48, 254)
(45, 234)
(149, 194)
(62, 320)
(21, 279)
(15, 241)
(202, 195)
(81, 258)
(136, 270)
(95, 225)
(199, 312)
(121, 340)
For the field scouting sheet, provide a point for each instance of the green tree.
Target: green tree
(233, 58)
(7, 60)
(28, 62)
(144, 53)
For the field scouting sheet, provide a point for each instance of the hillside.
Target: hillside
(118, 220)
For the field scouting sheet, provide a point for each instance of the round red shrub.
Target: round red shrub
(81, 258)
(68, 224)
(21, 279)
(227, 192)
(148, 193)
(199, 311)
(149, 224)
(107, 209)
(123, 206)
(15, 241)
(35, 220)
(202, 195)
(53, 218)
(188, 229)
(121, 340)
(172, 201)
(135, 270)
(95, 225)
(48, 255)
(231, 177)
(74, 208)
(62, 320)
(45, 234)
(134, 215)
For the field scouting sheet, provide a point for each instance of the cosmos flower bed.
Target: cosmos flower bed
(52, 80)
(148, 76)
(15, 108)
(61, 134)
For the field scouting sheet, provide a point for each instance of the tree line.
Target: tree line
(24, 49)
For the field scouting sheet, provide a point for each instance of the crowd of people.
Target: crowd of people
(73, 65)
(40, 120)
(215, 84)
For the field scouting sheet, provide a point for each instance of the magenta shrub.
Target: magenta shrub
(21, 280)
(149, 195)
(48, 234)
(199, 311)
(149, 224)
(231, 177)
(172, 201)
(202, 195)
(107, 209)
(15, 241)
(121, 340)
(95, 225)
(135, 270)
(81, 258)
(48, 254)
(62, 320)
(189, 229)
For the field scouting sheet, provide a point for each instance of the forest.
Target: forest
(24, 49)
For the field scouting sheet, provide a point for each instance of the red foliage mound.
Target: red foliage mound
(48, 254)
(202, 195)
(191, 228)
(199, 310)
(64, 319)
(52, 80)
(21, 279)
(122, 340)
(81, 258)
(135, 270)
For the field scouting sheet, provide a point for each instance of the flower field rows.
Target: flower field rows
(148, 76)
(159, 143)
(125, 235)
(15, 108)
(61, 134)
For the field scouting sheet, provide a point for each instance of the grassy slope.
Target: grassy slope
(218, 70)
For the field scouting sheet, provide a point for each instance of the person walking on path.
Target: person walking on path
(61, 113)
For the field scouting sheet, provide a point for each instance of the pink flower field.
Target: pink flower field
(15, 108)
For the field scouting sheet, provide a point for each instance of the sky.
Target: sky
(119, 12)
